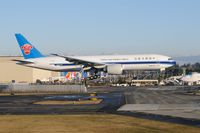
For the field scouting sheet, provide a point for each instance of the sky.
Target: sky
(88, 27)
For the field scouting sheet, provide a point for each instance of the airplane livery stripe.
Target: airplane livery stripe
(143, 62)
(152, 62)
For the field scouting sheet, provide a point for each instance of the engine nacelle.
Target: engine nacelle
(115, 69)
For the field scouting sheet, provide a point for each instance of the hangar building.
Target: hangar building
(9, 71)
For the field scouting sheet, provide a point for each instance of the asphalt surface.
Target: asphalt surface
(113, 99)
(163, 95)
(168, 103)
(25, 104)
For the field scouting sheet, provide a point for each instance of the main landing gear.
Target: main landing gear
(93, 77)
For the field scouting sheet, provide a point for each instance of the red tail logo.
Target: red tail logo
(26, 48)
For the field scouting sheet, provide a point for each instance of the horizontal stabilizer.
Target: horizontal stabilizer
(23, 61)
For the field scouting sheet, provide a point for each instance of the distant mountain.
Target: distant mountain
(187, 59)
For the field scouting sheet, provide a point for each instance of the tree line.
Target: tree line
(178, 70)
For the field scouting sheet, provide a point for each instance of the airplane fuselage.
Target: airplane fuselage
(128, 62)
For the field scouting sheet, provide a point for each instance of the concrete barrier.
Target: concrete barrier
(27, 88)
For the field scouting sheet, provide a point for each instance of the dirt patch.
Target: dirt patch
(102, 123)
(55, 102)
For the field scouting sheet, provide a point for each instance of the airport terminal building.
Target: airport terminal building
(11, 71)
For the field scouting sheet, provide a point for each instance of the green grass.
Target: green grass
(87, 124)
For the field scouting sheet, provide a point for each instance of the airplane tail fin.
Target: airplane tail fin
(28, 50)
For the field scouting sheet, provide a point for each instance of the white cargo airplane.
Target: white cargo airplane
(191, 79)
(112, 64)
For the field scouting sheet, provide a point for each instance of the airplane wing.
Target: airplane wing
(23, 61)
(80, 61)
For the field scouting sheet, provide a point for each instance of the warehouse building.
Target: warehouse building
(10, 71)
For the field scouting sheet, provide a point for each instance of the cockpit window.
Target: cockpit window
(170, 59)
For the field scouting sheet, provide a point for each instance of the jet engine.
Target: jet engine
(115, 69)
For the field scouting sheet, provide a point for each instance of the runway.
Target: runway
(156, 103)
(163, 103)
(25, 104)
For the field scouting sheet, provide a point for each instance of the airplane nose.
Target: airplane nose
(173, 62)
